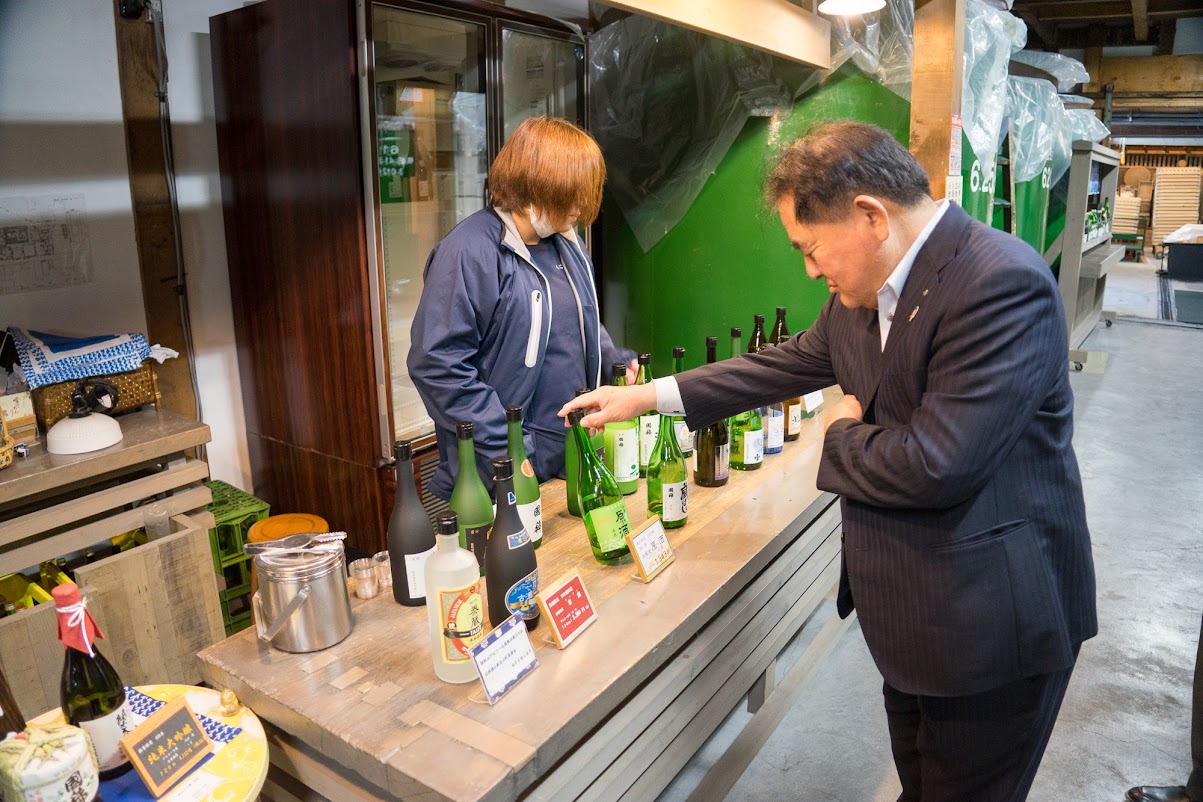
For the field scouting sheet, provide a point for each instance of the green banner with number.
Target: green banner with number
(978, 184)
(1031, 209)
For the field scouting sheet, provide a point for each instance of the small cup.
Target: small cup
(156, 521)
(364, 572)
(384, 569)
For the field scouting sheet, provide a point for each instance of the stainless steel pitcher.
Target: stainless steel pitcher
(302, 604)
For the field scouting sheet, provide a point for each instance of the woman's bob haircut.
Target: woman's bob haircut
(551, 164)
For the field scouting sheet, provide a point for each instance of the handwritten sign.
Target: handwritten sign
(167, 745)
(812, 400)
(503, 657)
(650, 547)
(567, 607)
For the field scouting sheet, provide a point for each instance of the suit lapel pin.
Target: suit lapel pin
(925, 293)
(914, 312)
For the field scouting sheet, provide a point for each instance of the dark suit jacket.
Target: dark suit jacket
(965, 540)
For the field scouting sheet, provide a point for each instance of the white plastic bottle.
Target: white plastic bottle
(454, 604)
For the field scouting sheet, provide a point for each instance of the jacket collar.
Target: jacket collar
(513, 240)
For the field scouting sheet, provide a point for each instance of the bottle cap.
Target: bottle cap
(712, 342)
(781, 311)
(76, 628)
(618, 369)
(513, 414)
(679, 352)
(574, 417)
(503, 468)
(758, 320)
(581, 390)
(448, 524)
(645, 359)
(464, 430)
(736, 331)
(403, 450)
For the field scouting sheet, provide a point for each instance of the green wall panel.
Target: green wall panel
(729, 258)
(1031, 210)
(978, 198)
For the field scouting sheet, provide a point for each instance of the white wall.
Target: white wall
(190, 93)
(1188, 37)
(61, 132)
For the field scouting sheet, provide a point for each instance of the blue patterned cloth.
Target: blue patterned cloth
(144, 706)
(52, 358)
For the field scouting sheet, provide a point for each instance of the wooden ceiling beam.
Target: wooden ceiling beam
(1140, 19)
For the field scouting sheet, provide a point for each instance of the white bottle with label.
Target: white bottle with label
(455, 604)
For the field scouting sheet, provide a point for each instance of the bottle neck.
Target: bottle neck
(405, 474)
(504, 488)
(678, 365)
(514, 439)
(447, 542)
(467, 459)
(584, 445)
(735, 347)
(711, 355)
(619, 381)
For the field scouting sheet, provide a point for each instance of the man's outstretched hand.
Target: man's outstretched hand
(612, 404)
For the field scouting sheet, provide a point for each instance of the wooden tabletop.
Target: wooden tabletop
(146, 435)
(373, 704)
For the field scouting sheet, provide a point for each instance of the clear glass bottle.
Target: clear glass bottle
(469, 499)
(774, 428)
(410, 537)
(713, 452)
(668, 479)
(511, 570)
(455, 608)
(605, 513)
(780, 328)
(526, 485)
(758, 339)
(685, 437)
(622, 443)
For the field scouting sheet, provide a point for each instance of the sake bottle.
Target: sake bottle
(572, 461)
(780, 328)
(526, 486)
(713, 452)
(684, 436)
(736, 344)
(455, 608)
(747, 441)
(469, 499)
(90, 692)
(649, 424)
(622, 443)
(757, 340)
(668, 479)
(511, 572)
(605, 513)
(774, 428)
(410, 537)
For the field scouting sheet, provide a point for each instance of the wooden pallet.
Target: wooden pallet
(1175, 200)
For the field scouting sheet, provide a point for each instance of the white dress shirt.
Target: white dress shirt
(668, 394)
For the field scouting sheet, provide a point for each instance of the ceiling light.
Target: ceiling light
(849, 8)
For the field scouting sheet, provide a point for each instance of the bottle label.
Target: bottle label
(775, 438)
(795, 419)
(518, 539)
(532, 519)
(476, 540)
(462, 615)
(106, 733)
(649, 430)
(527, 470)
(520, 598)
(610, 525)
(753, 447)
(415, 573)
(626, 455)
(675, 502)
(684, 435)
(722, 461)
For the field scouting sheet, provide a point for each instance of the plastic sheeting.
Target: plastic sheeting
(1035, 114)
(1069, 72)
(1075, 124)
(667, 103)
(991, 36)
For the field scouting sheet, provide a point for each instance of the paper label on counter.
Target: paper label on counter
(611, 525)
(753, 447)
(812, 401)
(531, 514)
(503, 657)
(626, 455)
(567, 608)
(415, 573)
(650, 548)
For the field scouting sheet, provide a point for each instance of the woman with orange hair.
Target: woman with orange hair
(509, 311)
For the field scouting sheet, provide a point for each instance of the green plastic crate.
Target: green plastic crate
(236, 610)
(234, 512)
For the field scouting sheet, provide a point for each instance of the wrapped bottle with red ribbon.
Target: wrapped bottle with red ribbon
(92, 695)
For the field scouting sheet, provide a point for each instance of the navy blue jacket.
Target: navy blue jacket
(479, 335)
(966, 552)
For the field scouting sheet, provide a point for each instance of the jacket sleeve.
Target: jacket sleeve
(458, 296)
(798, 366)
(992, 365)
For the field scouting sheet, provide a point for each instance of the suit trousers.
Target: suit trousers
(985, 747)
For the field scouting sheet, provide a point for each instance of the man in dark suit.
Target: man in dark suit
(966, 552)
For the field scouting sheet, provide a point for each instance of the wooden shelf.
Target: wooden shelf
(1097, 261)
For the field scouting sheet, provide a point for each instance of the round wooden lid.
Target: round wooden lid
(291, 523)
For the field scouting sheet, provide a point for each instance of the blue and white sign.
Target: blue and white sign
(503, 658)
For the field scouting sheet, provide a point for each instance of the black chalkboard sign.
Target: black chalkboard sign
(167, 745)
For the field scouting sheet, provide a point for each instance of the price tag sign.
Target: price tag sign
(650, 547)
(167, 745)
(954, 149)
(812, 401)
(567, 607)
(503, 657)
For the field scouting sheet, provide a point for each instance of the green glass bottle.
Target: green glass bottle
(526, 485)
(737, 347)
(668, 479)
(622, 443)
(684, 435)
(649, 424)
(605, 513)
(713, 452)
(757, 340)
(469, 499)
(572, 461)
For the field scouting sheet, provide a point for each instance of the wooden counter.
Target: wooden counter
(616, 714)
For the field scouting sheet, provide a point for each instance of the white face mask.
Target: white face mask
(539, 222)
